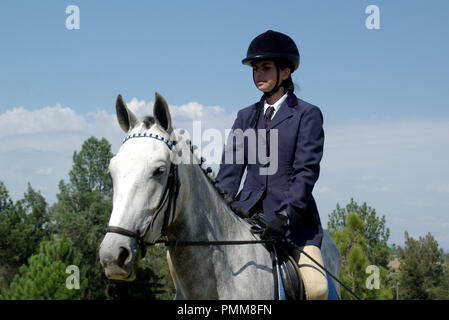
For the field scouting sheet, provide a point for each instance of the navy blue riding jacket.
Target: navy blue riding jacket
(299, 151)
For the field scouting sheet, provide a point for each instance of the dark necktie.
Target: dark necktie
(268, 115)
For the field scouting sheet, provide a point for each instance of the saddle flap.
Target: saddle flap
(292, 282)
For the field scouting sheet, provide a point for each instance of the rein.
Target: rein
(168, 243)
(181, 243)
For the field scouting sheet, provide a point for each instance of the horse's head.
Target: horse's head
(143, 177)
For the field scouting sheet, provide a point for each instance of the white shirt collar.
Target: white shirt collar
(276, 105)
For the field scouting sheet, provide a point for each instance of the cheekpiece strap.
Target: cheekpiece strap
(169, 143)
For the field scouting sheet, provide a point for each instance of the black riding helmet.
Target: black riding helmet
(274, 46)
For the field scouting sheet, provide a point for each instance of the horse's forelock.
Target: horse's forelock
(149, 122)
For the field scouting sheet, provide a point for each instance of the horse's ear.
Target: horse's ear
(162, 113)
(125, 117)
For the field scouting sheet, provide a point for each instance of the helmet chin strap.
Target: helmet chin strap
(276, 87)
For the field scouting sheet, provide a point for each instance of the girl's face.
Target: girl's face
(265, 75)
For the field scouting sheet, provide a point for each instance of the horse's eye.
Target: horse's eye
(159, 171)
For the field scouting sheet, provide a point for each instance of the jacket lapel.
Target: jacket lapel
(286, 110)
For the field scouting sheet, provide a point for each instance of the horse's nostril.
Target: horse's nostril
(123, 256)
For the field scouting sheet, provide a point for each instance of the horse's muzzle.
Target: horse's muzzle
(117, 257)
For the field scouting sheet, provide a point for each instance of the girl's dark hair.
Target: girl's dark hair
(287, 83)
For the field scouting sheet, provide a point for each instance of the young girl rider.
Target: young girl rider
(285, 197)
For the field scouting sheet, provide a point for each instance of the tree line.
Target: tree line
(39, 241)
(41, 245)
(418, 270)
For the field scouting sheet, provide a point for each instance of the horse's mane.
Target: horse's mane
(214, 181)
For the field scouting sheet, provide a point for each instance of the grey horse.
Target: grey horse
(151, 200)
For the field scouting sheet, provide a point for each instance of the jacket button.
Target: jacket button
(262, 188)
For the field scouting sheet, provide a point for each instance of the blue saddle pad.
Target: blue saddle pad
(332, 295)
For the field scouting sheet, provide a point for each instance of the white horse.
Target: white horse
(158, 191)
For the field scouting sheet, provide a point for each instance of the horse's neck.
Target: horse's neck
(214, 272)
(202, 213)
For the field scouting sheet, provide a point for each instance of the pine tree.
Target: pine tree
(354, 230)
(6, 271)
(45, 276)
(442, 291)
(421, 269)
(5, 200)
(351, 244)
(84, 206)
(34, 210)
(23, 226)
(375, 232)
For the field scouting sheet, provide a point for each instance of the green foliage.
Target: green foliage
(23, 226)
(354, 235)
(375, 233)
(83, 209)
(90, 168)
(5, 200)
(156, 260)
(33, 208)
(441, 292)
(421, 270)
(44, 277)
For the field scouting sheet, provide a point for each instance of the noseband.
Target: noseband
(168, 199)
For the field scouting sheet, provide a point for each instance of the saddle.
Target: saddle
(285, 268)
(290, 276)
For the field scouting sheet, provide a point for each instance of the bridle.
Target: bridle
(168, 199)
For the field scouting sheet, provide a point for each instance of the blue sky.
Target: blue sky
(191, 50)
(383, 92)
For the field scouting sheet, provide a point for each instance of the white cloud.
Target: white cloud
(140, 107)
(21, 121)
(322, 190)
(440, 188)
(191, 110)
(44, 171)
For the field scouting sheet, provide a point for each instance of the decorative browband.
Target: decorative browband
(169, 143)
